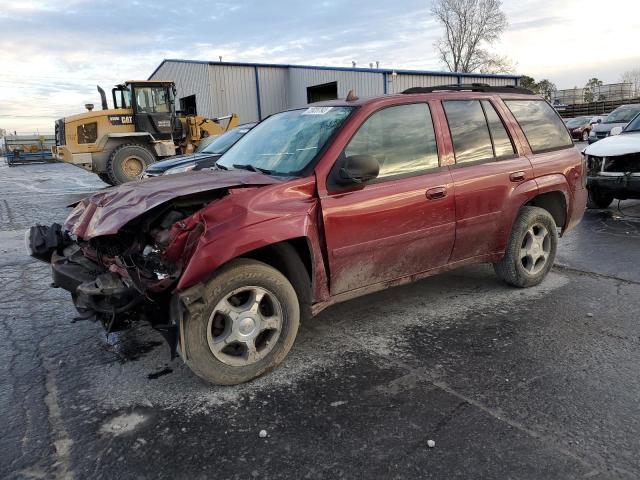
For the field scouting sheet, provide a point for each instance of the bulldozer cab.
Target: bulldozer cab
(152, 104)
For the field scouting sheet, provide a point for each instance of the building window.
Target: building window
(320, 93)
(188, 105)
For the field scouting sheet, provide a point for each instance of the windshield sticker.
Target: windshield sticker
(317, 110)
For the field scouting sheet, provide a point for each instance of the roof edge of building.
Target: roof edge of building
(343, 69)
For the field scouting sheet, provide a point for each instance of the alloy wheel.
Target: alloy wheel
(244, 326)
(535, 248)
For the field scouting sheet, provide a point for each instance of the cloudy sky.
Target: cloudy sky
(53, 53)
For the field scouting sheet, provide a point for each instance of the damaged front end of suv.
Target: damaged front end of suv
(121, 252)
(613, 166)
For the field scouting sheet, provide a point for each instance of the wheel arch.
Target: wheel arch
(554, 202)
(292, 258)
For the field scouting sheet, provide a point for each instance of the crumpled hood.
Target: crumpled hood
(105, 212)
(622, 144)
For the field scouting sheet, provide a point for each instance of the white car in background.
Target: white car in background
(613, 166)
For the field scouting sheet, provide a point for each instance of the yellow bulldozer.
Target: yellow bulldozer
(142, 127)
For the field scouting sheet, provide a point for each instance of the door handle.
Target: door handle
(517, 176)
(437, 192)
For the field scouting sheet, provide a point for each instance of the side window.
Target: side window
(401, 138)
(502, 145)
(469, 130)
(541, 125)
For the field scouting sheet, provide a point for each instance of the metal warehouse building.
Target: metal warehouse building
(254, 90)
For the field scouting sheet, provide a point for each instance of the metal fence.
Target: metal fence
(594, 108)
(603, 93)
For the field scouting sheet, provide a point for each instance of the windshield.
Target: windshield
(634, 125)
(225, 141)
(622, 114)
(287, 142)
(578, 121)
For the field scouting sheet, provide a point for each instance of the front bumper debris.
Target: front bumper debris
(622, 187)
(98, 293)
(42, 241)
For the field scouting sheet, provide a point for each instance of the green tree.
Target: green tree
(528, 83)
(590, 90)
(546, 88)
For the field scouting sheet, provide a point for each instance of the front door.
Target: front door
(401, 223)
(486, 172)
(153, 110)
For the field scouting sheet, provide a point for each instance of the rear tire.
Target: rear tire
(127, 162)
(238, 336)
(597, 199)
(531, 249)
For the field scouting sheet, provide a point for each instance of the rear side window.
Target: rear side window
(469, 130)
(401, 138)
(541, 125)
(501, 142)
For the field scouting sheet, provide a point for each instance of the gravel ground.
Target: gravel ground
(535, 383)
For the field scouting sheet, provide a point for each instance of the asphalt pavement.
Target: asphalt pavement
(540, 383)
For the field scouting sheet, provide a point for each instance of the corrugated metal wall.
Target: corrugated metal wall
(222, 89)
(364, 84)
(233, 89)
(190, 79)
(400, 82)
(274, 88)
(493, 81)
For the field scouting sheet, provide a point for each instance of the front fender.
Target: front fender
(215, 250)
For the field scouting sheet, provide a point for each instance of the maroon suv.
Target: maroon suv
(319, 205)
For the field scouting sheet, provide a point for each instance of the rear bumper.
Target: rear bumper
(578, 207)
(622, 187)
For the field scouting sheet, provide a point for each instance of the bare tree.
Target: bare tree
(470, 26)
(632, 77)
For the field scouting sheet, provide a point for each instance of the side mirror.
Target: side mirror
(357, 169)
(615, 131)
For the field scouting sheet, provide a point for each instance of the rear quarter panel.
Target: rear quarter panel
(563, 170)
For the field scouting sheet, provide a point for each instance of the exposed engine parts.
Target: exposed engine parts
(116, 279)
(620, 165)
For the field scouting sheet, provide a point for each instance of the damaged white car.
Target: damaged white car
(614, 166)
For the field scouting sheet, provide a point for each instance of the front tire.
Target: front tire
(105, 178)
(127, 162)
(248, 324)
(531, 249)
(597, 199)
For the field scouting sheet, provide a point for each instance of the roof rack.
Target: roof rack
(473, 87)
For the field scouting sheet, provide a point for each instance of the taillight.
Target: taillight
(584, 170)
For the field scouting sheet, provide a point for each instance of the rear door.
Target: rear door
(487, 169)
(401, 223)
